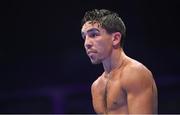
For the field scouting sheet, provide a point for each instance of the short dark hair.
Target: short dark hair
(109, 20)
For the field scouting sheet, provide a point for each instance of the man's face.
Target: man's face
(97, 42)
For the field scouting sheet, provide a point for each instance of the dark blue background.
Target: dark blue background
(43, 65)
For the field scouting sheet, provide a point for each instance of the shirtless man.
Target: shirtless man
(126, 86)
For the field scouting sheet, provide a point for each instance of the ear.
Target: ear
(116, 39)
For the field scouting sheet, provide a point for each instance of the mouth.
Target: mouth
(91, 51)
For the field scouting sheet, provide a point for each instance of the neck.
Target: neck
(114, 60)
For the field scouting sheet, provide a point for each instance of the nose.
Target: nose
(88, 43)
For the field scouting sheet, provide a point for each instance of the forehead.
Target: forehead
(88, 25)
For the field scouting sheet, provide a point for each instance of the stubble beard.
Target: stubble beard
(95, 60)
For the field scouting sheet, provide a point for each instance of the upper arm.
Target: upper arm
(96, 96)
(93, 87)
(141, 91)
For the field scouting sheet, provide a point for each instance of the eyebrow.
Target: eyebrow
(92, 29)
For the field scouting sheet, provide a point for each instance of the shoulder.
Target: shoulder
(136, 76)
(134, 68)
(96, 83)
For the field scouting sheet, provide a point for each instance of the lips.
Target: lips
(91, 51)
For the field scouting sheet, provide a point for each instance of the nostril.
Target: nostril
(88, 46)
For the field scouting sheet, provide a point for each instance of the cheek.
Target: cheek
(104, 46)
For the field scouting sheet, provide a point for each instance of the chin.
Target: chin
(95, 61)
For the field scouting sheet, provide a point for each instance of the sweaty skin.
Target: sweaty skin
(129, 89)
(126, 86)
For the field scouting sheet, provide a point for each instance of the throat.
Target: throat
(114, 62)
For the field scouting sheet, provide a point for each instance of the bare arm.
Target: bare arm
(97, 99)
(141, 92)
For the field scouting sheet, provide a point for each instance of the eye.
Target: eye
(93, 34)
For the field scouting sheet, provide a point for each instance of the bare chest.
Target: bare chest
(109, 96)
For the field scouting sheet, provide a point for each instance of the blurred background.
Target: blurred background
(44, 67)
